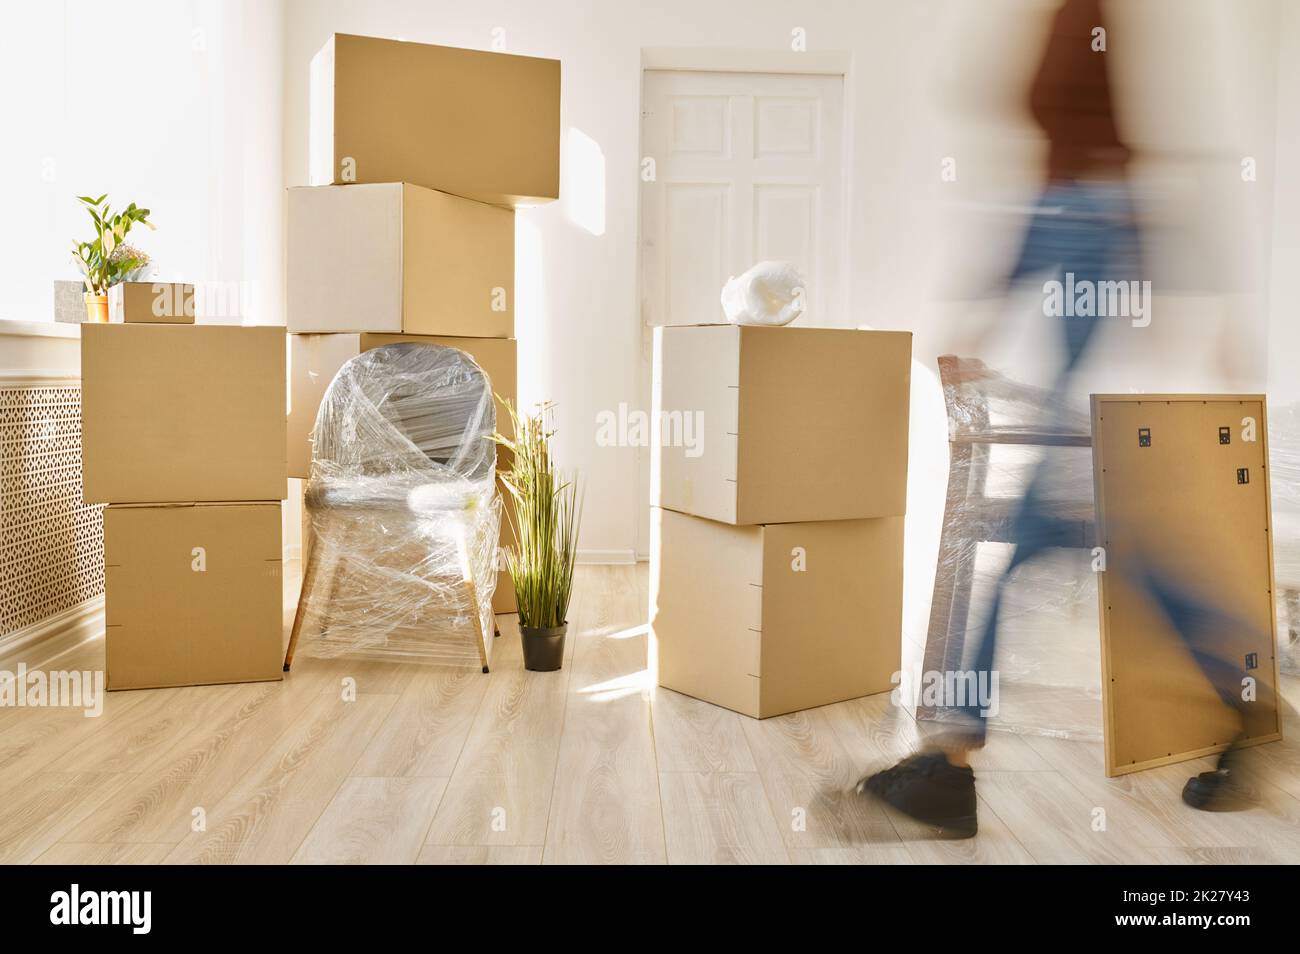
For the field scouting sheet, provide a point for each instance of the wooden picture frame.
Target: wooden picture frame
(1182, 484)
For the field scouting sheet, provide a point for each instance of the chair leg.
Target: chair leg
(310, 578)
(314, 573)
(471, 592)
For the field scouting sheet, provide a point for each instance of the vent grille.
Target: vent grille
(51, 544)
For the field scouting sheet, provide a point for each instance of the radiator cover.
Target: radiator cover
(51, 544)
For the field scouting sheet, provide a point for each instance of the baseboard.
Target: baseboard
(606, 557)
(42, 642)
(37, 377)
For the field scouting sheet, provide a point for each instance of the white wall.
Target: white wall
(174, 106)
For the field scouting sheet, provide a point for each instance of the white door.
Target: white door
(747, 167)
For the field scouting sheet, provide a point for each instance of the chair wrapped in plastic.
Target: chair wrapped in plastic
(404, 511)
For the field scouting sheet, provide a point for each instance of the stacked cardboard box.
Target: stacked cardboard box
(419, 156)
(779, 481)
(183, 438)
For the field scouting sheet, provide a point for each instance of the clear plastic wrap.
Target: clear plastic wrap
(1284, 463)
(1003, 435)
(403, 509)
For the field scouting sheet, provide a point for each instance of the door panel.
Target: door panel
(786, 126)
(696, 240)
(772, 144)
(785, 228)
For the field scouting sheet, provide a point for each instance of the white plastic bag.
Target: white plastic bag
(770, 293)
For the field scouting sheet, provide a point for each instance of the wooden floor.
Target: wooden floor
(589, 764)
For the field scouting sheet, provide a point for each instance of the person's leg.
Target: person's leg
(936, 785)
(1035, 529)
(1201, 626)
(1069, 232)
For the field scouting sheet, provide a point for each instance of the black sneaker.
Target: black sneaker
(930, 789)
(1223, 790)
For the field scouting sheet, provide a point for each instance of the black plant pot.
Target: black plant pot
(543, 648)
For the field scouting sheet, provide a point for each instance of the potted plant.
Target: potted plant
(546, 518)
(107, 260)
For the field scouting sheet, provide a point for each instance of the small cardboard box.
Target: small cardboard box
(151, 303)
(397, 258)
(772, 619)
(315, 359)
(478, 124)
(177, 413)
(762, 425)
(193, 594)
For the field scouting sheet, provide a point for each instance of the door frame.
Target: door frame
(727, 60)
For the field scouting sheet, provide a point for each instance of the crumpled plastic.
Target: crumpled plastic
(403, 508)
(770, 293)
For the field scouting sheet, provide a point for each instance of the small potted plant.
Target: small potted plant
(107, 260)
(546, 518)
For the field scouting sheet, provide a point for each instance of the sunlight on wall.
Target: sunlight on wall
(584, 181)
(530, 311)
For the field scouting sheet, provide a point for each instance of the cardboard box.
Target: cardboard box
(176, 413)
(192, 594)
(397, 258)
(1184, 511)
(313, 362)
(503, 597)
(772, 619)
(478, 124)
(315, 359)
(780, 425)
(151, 303)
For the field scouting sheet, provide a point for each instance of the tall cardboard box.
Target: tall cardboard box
(772, 619)
(177, 413)
(781, 425)
(192, 594)
(397, 258)
(477, 124)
